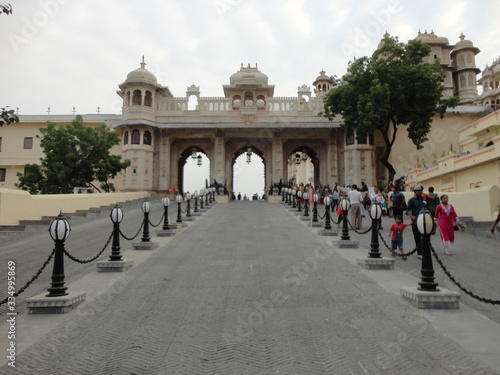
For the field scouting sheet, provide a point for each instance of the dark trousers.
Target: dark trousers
(417, 237)
(397, 211)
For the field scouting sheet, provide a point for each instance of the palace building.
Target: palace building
(160, 131)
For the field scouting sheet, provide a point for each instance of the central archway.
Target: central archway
(248, 172)
(188, 163)
(305, 153)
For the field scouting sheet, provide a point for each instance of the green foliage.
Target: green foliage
(393, 88)
(6, 8)
(75, 156)
(8, 116)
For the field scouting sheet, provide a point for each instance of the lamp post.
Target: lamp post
(202, 193)
(425, 224)
(165, 201)
(179, 199)
(213, 194)
(289, 196)
(146, 208)
(345, 205)
(286, 195)
(116, 217)
(59, 230)
(327, 202)
(294, 193)
(299, 197)
(196, 195)
(209, 192)
(375, 215)
(306, 201)
(206, 196)
(315, 208)
(282, 195)
(188, 200)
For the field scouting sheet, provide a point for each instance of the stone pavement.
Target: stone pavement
(246, 289)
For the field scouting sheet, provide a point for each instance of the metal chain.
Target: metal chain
(463, 289)
(320, 215)
(355, 230)
(404, 255)
(132, 238)
(32, 279)
(335, 222)
(92, 259)
(161, 220)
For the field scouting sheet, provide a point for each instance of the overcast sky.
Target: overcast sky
(74, 53)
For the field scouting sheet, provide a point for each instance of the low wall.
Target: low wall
(18, 205)
(480, 203)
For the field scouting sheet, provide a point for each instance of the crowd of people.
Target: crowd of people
(394, 204)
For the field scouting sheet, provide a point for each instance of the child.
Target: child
(396, 234)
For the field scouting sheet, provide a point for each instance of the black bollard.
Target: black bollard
(59, 230)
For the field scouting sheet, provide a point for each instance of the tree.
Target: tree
(6, 8)
(393, 88)
(8, 116)
(75, 156)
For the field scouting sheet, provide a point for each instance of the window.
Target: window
(148, 99)
(125, 138)
(349, 138)
(137, 98)
(136, 137)
(147, 137)
(28, 142)
(2, 174)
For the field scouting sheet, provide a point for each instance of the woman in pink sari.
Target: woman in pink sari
(446, 217)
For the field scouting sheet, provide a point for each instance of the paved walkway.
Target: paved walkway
(246, 289)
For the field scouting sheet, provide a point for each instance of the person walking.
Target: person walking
(378, 197)
(495, 223)
(415, 205)
(396, 234)
(398, 202)
(355, 211)
(446, 218)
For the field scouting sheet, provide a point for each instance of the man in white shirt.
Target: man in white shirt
(355, 212)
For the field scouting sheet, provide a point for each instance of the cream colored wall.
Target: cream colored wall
(18, 205)
(443, 133)
(481, 203)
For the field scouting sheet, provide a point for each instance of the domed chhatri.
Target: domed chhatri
(142, 75)
(248, 75)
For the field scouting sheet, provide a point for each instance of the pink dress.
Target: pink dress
(445, 217)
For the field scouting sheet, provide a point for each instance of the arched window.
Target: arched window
(462, 81)
(136, 137)
(349, 138)
(236, 101)
(147, 137)
(471, 80)
(125, 138)
(137, 97)
(148, 99)
(127, 99)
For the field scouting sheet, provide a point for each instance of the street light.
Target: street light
(294, 193)
(116, 216)
(188, 200)
(59, 230)
(304, 155)
(344, 206)
(425, 225)
(299, 196)
(179, 200)
(315, 208)
(249, 155)
(146, 209)
(283, 195)
(193, 153)
(165, 201)
(375, 214)
(297, 159)
(327, 202)
(290, 196)
(213, 194)
(202, 193)
(199, 160)
(306, 201)
(196, 195)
